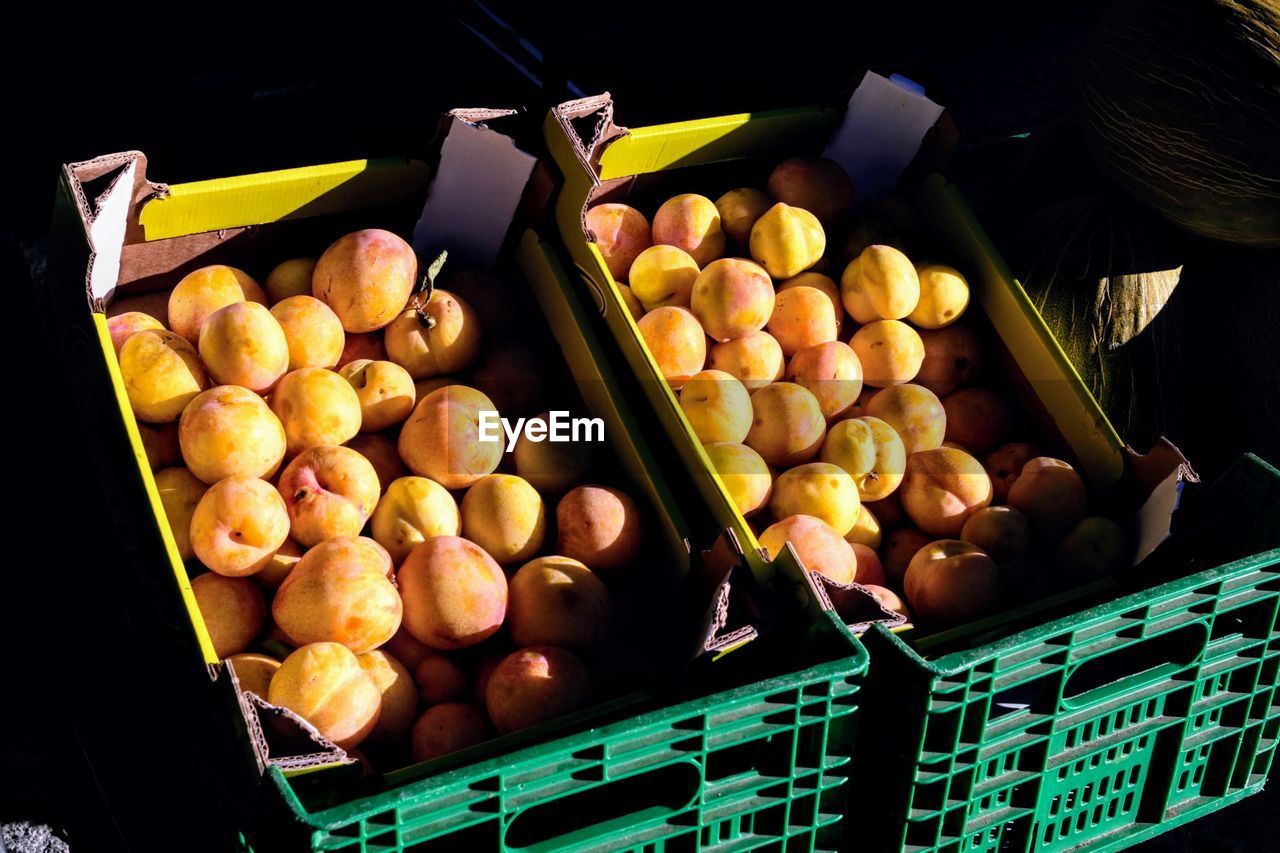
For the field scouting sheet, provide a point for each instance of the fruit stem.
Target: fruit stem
(427, 287)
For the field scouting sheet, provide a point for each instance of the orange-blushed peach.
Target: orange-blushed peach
(366, 277)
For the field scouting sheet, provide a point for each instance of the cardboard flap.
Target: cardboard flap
(1156, 478)
(713, 569)
(573, 115)
(256, 710)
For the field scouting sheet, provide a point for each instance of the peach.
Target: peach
(439, 679)
(412, 510)
(355, 549)
(717, 407)
(977, 419)
(504, 515)
(339, 594)
(1094, 548)
(385, 391)
(880, 284)
(942, 488)
(311, 329)
(316, 407)
(204, 291)
(180, 493)
(160, 443)
(866, 529)
(739, 209)
(404, 648)
(243, 344)
(551, 467)
(890, 351)
(370, 346)
(832, 372)
(488, 296)
(889, 600)
(442, 337)
(161, 374)
(536, 685)
(915, 414)
(270, 576)
(446, 728)
(232, 609)
(126, 325)
(889, 510)
(821, 282)
(599, 526)
(952, 358)
(1051, 495)
(818, 489)
(288, 279)
(900, 546)
(620, 233)
(663, 275)
(254, 671)
(629, 299)
(820, 548)
(325, 684)
(787, 240)
(869, 451)
(859, 407)
(676, 341)
(787, 424)
(802, 318)
(441, 439)
(382, 455)
(425, 386)
(366, 277)
(744, 474)
(756, 360)
(1005, 463)
(870, 570)
(949, 582)
(510, 375)
(454, 594)
(329, 491)
(944, 294)
(399, 698)
(816, 184)
(692, 223)
(557, 601)
(1001, 531)
(238, 525)
(732, 298)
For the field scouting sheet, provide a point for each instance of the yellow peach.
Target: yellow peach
(382, 454)
(952, 357)
(238, 525)
(325, 685)
(442, 438)
(204, 291)
(942, 488)
(439, 679)
(126, 325)
(620, 233)
(254, 671)
(288, 279)
(663, 275)
(787, 240)
(890, 351)
(413, 510)
(744, 474)
(313, 332)
(880, 284)
(557, 601)
(270, 576)
(802, 318)
(316, 407)
(832, 372)
(870, 569)
(787, 425)
(180, 492)
(329, 491)
(385, 391)
(949, 582)
(692, 223)
(243, 344)
(399, 698)
(915, 414)
(676, 341)
(739, 209)
(504, 515)
(866, 530)
(551, 466)
(1051, 495)
(339, 594)
(600, 527)
(944, 294)
(1001, 531)
(232, 609)
(821, 282)
(366, 277)
(445, 728)
(454, 594)
(871, 452)
(228, 431)
(443, 337)
(405, 648)
(634, 308)
(536, 685)
(717, 407)
(816, 184)
(818, 489)
(732, 298)
(820, 548)
(756, 360)
(161, 373)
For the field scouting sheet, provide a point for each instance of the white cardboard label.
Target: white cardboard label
(110, 219)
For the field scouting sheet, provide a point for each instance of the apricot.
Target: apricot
(504, 515)
(1051, 495)
(204, 291)
(756, 360)
(1005, 463)
(717, 407)
(399, 698)
(819, 546)
(821, 282)
(439, 679)
(599, 526)
(942, 488)
(944, 294)
(316, 407)
(787, 425)
(536, 685)
(818, 489)
(444, 337)
(732, 298)
(949, 582)
(441, 439)
(339, 594)
(510, 375)
(952, 358)
(816, 184)
(366, 277)
(238, 525)
(126, 325)
(160, 444)
(161, 373)
(866, 529)
(180, 493)
(329, 491)
(557, 601)
(254, 671)
(663, 275)
(888, 599)
(676, 341)
(412, 510)
(325, 684)
(382, 455)
(890, 351)
(232, 609)
(1094, 548)
(242, 344)
(744, 474)
(370, 346)
(739, 209)
(802, 318)
(311, 329)
(832, 372)
(621, 233)
(692, 223)
(552, 467)
(446, 728)
(787, 240)
(385, 391)
(634, 308)
(870, 452)
(454, 594)
(1001, 531)
(288, 279)
(270, 576)
(900, 546)
(915, 414)
(880, 284)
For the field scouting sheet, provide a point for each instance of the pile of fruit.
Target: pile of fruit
(850, 419)
(321, 459)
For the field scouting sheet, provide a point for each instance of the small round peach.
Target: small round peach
(442, 438)
(787, 240)
(820, 548)
(732, 298)
(676, 341)
(1004, 464)
(385, 391)
(663, 275)
(914, 412)
(821, 282)
(126, 325)
(744, 474)
(880, 284)
(270, 576)
(755, 360)
(949, 582)
(1051, 495)
(870, 569)
(454, 594)
(359, 550)
(952, 358)
(621, 233)
(228, 431)
(889, 600)
(399, 698)
(232, 609)
(288, 279)
(369, 345)
(870, 451)
(382, 455)
(313, 332)
(1095, 548)
(899, 547)
(162, 374)
(243, 344)
(204, 291)
(329, 491)
(552, 467)
(316, 407)
(890, 351)
(600, 527)
(404, 648)
(504, 515)
(942, 488)
(977, 419)
(238, 525)
(413, 510)
(180, 493)
(832, 372)
(446, 728)
(692, 223)
(866, 530)
(254, 671)
(818, 489)
(1001, 531)
(802, 318)
(634, 308)
(556, 601)
(439, 679)
(325, 685)
(717, 407)
(944, 294)
(739, 209)
(536, 685)
(445, 340)
(160, 442)
(817, 184)
(366, 277)
(787, 425)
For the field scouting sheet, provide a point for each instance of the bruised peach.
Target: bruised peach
(126, 325)
(944, 294)
(180, 493)
(756, 360)
(1005, 463)
(820, 548)
(242, 344)
(313, 332)
(204, 291)
(382, 455)
(745, 475)
(787, 240)
(228, 431)
(329, 491)
(732, 298)
(443, 337)
(599, 526)
(270, 576)
(238, 525)
(787, 425)
(717, 407)
(900, 546)
(802, 318)
(454, 594)
(289, 278)
(535, 685)
(977, 419)
(505, 516)
(551, 467)
(385, 391)
(832, 373)
(915, 414)
(692, 223)
(399, 698)
(1001, 531)
(663, 275)
(446, 728)
(366, 277)
(949, 582)
(739, 209)
(818, 489)
(316, 407)
(952, 358)
(942, 488)
(442, 438)
(880, 284)
(1051, 495)
(866, 529)
(634, 308)
(890, 351)
(254, 671)
(232, 609)
(161, 373)
(339, 594)
(816, 184)
(439, 679)
(325, 685)
(676, 341)
(370, 346)
(557, 601)
(621, 233)
(869, 451)
(412, 510)
(510, 375)
(160, 443)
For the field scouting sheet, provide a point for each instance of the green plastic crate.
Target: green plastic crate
(1102, 728)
